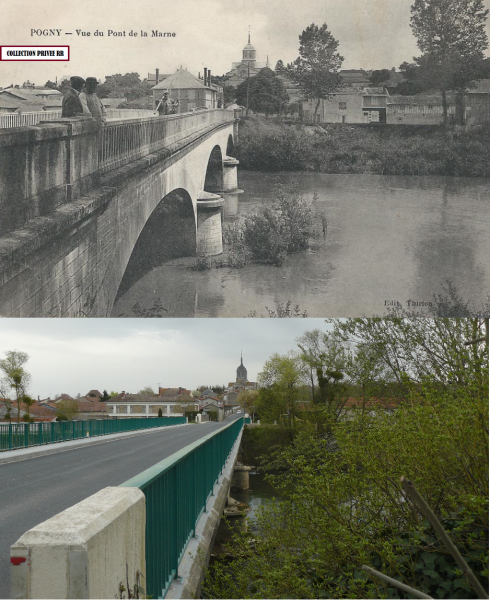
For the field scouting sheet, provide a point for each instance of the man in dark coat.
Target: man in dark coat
(72, 107)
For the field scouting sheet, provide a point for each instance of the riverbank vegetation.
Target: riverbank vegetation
(275, 145)
(357, 408)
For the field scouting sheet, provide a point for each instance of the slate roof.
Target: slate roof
(180, 80)
(9, 102)
(421, 100)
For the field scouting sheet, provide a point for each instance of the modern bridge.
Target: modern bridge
(65, 534)
(77, 200)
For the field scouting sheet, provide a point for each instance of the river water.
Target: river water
(390, 239)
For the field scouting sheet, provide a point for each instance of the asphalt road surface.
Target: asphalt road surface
(36, 489)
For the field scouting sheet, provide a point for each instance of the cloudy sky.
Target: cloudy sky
(209, 33)
(77, 355)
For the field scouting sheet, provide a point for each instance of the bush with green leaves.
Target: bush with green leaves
(346, 507)
(271, 232)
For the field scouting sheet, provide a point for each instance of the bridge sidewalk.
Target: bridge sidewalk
(35, 451)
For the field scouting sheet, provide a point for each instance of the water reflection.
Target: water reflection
(390, 239)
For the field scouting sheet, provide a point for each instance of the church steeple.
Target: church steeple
(241, 372)
(249, 52)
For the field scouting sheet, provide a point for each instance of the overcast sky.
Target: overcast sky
(209, 33)
(76, 355)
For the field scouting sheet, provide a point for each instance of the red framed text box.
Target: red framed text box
(34, 53)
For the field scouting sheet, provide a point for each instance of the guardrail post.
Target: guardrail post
(10, 436)
(40, 433)
(63, 430)
(26, 435)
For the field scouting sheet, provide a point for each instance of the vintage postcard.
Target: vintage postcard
(175, 159)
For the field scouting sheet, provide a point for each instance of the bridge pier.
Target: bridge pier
(209, 233)
(230, 174)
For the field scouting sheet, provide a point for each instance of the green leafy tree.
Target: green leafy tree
(316, 70)
(27, 402)
(266, 93)
(160, 414)
(379, 76)
(247, 399)
(67, 410)
(16, 380)
(147, 390)
(282, 388)
(452, 37)
(229, 93)
(105, 396)
(344, 505)
(279, 68)
(128, 86)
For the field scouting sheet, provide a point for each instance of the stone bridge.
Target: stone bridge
(77, 201)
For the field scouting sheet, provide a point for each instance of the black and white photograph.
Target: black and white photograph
(248, 159)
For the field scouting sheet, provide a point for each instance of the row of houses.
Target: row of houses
(376, 105)
(168, 402)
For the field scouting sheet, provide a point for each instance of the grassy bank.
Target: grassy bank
(271, 145)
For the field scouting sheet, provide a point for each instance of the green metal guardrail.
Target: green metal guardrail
(24, 435)
(176, 491)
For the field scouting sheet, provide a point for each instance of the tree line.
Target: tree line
(356, 408)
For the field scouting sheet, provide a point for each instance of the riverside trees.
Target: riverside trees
(264, 93)
(316, 70)
(345, 506)
(452, 38)
(15, 381)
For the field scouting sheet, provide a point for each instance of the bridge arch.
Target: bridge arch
(213, 181)
(169, 232)
(229, 145)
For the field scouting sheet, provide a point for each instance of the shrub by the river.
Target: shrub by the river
(270, 145)
(271, 232)
(346, 507)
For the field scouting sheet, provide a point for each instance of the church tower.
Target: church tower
(241, 372)
(249, 54)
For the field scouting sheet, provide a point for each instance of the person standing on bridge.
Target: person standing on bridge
(91, 103)
(162, 105)
(71, 106)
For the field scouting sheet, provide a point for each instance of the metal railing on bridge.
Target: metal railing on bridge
(10, 120)
(176, 491)
(24, 435)
(122, 141)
